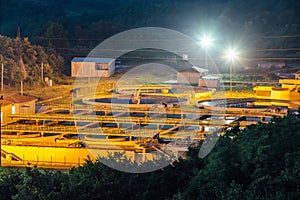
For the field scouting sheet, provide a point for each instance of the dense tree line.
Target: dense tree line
(260, 162)
(75, 27)
(33, 56)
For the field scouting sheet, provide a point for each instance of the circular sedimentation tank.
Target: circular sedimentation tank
(142, 100)
(243, 103)
(225, 103)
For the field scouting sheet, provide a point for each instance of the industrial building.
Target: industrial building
(17, 104)
(190, 75)
(209, 81)
(92, 67)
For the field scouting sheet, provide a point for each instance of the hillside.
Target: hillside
(74, 27)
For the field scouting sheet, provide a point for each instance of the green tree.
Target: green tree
(33, 56)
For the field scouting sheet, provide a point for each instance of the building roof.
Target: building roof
(211, 77)
(90, 59)
(298, 72)
(16, 98)
(4, 103)
(194, 69)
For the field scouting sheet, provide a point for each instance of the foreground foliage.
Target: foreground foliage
(261, 162)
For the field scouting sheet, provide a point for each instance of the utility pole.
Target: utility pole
(1, 116)
(231, 78)
(22, 88)
(2, 68)
(20, 60)
(42, 72)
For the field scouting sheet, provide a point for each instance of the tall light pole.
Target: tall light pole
(231, 55)
(206, 42)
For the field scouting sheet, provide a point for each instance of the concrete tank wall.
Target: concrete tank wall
(280, 94)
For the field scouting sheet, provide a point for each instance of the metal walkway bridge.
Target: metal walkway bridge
(196, 119)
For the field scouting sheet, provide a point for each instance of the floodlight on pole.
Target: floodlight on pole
(206, 42)
(231, 55)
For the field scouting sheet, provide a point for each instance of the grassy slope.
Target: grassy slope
(48, 93)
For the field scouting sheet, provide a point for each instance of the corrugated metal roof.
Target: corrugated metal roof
(194, 69)
(189, 70)
(16, 98)
(199, 69)
(89, 59)
(4, 103)
(211, 77)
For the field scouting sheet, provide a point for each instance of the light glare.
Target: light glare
(231, 54)
(206, 41)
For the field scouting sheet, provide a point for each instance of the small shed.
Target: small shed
(92, 67)
(297, 75)
(17, 104)
(191, 75)
(210, 81)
